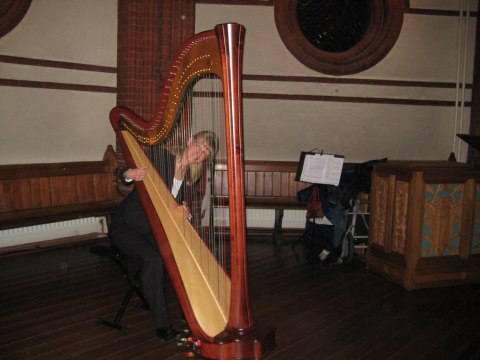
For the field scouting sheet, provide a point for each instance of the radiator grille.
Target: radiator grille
(51, 231)
(256, 218)
(265, 218)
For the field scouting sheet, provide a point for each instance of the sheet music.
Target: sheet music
(322, 169)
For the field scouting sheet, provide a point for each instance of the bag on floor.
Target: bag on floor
(318, 243)
(314, 206)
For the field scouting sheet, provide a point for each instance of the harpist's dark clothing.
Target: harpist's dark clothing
(130, 231)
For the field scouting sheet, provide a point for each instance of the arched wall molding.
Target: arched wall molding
(11, 13)
(386, 20)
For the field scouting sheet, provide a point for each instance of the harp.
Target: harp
(206, 260)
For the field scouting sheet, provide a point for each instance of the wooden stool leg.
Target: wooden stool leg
(277, 227)
(133, 286)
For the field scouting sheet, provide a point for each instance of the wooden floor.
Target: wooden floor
(49, 303)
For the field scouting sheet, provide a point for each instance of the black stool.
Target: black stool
(113, 253)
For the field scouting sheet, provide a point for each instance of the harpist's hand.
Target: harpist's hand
(186, 211)
(135, 174)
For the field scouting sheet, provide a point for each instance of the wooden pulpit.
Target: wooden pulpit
(425, 223)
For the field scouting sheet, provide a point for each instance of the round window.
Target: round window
(11, 13)
(339, 37)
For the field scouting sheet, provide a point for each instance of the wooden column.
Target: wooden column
(149, 34)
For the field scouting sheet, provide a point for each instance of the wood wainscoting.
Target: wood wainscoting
(32, 194)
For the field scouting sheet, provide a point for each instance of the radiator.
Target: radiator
(52, 231)
(256, 218)
(265, 218)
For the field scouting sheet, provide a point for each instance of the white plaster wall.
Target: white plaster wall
(430, 48)
(366, 131)
(39, 125)
(43, 125)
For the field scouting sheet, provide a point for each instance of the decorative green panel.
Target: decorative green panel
(441, 222)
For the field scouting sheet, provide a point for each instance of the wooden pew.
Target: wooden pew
(268, 185)
(32, 194)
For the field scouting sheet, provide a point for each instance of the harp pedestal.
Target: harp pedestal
(250, 344)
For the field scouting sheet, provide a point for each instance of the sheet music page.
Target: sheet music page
(322, 169)
(314, 169)
(334, 170)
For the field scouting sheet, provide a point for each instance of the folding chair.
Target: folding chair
(133, 280)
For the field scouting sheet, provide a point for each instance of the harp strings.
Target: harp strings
(208, 114)
(202, 109)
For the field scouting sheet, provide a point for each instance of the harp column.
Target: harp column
(240, 317)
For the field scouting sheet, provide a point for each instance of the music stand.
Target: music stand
(472, 140)
(319, 168)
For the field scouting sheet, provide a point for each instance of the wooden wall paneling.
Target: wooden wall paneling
(259, 183)
(475, 240)
(102, 186)
(249, 183)
(414, 227)
(224, 182)
(33, 194)
(467, 219)
(268, 184)
(21, 190)
(400, 217)
(85, 191)
(294, 185)
(285, 184)
(6, 195)
(378, 210)
(390, 212)
(64, 190)
(265, 180)
(277, 183)
(7, 199)
(41, 192)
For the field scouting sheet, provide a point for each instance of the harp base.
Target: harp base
(252, 344)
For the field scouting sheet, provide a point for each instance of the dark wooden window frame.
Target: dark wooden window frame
(382, 33)
(11, 13)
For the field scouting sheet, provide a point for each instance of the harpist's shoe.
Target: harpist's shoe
(167, 334)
